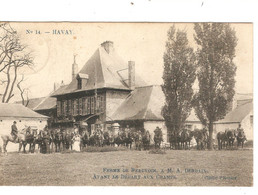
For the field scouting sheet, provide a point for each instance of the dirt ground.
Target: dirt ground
(134, 168)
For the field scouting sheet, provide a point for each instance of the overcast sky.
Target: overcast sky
(143, 43)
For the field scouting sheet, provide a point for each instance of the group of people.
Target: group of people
(124, 135)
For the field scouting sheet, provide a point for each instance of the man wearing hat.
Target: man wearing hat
(14, 131)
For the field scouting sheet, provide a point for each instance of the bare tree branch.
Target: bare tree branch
(13, 57)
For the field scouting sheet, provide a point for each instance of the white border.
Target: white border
(136, 11)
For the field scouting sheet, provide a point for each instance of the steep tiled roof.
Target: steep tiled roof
(238, 114)
(106, 69)
(18, 110)
(144, 103)
(33, 103)
(46, 104)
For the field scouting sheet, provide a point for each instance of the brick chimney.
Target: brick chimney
(74, 68)
(131, 74)
(108, 46)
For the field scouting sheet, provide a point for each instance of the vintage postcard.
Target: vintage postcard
(126, 104)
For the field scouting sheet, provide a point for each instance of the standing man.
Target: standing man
(239, 127)
(14, 131)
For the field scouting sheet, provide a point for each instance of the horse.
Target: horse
(9, 138)
(185, 139)
(138, 140)
(106, 141)
(173, 140)
(92, 140)
(68, 140)
(241, 138)
(158, 138)
(84, 141)
(146, 140)
(45, 142)
(96, 139)
(201, 138)
(30, 138)
(58, 139)
(112, 140)
(118, 140)
(99, 138)
(128, 139)
(231, 135)
(222, 140)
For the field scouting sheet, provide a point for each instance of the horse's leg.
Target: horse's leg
(4, 146)
(20, 146)
(24, 147)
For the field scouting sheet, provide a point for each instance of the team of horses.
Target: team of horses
(57, 140)
(226, 139)
(141, 139)
(182, 139)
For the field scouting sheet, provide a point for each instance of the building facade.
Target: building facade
(97, 90)
(23, 116)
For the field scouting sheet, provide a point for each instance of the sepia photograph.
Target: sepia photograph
(126, 104)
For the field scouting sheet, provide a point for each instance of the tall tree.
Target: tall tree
(216, 72)
(178, 77)
(14, 56)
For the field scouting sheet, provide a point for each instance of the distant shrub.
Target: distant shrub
(157, 151)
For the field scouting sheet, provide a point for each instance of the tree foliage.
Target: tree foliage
(216, 71)
(178, 77)
(14, 56)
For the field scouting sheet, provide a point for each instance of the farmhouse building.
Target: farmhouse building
(242, 114)
(99, 88)
(22, 115)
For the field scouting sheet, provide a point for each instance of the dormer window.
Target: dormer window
(81, 80)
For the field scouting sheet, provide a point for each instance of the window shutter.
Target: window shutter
(64, 107)
(88, 105)
(58, 108)
(102, 104)
(83, 106)
(74, 107)
(77, 107)
(98, 104)
(92, 106)
(80, 106)
(69, 110)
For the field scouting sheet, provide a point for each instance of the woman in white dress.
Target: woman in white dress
(76, 143)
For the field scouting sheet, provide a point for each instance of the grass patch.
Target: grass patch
(103, 149)
(157, 151)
